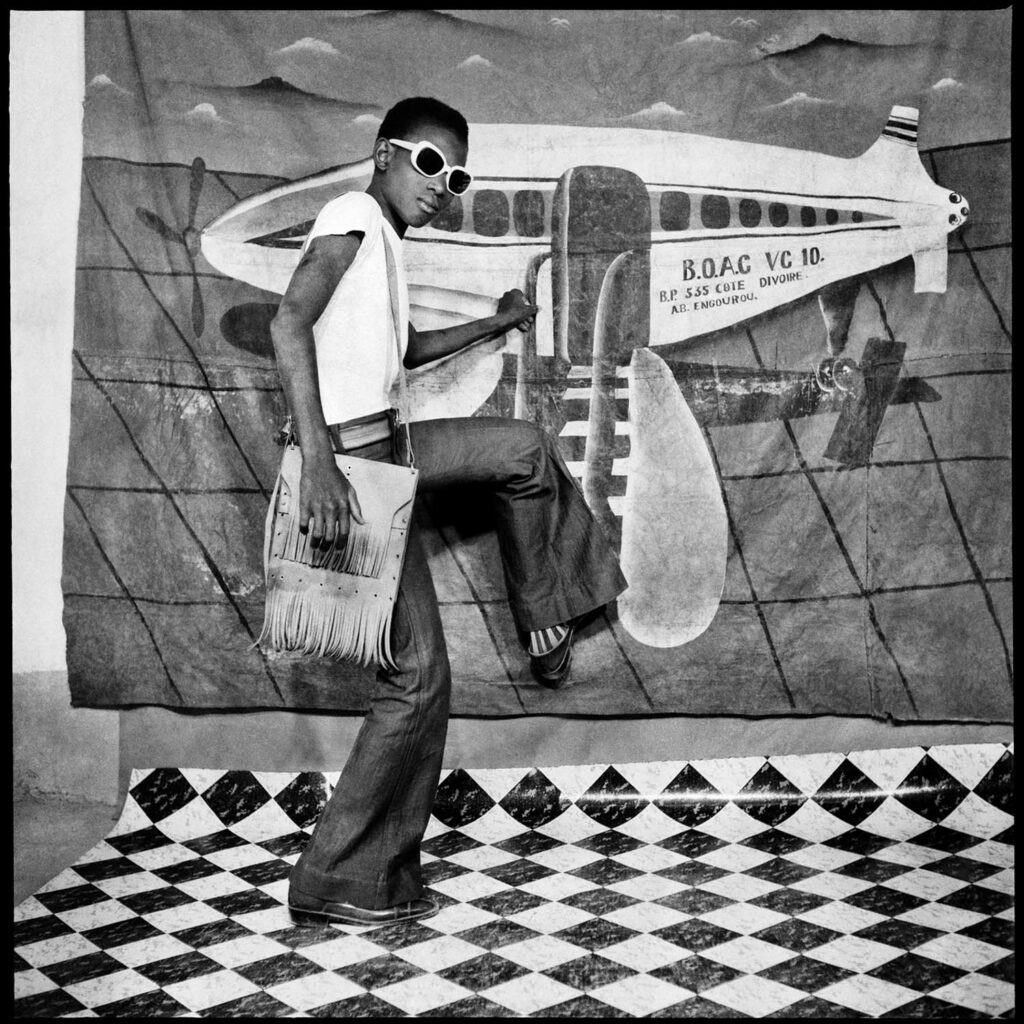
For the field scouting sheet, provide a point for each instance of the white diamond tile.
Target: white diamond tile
(832, 885)
(211, 989)
(941, 916)
(646, 887)
(314, 990)
(739, 887)
(550, 917)
(110, 987)
(342, 951)
(147, 951)
(530, 994)
(744, 918)
(753, 996)
(732, 825)
(422, 993)
(30, 983)
(979, 993)
(246, 949)
(643, 952)
(961, 951)
(96, 915)
(541, 952)
(854, 953)
(437, 954)
(748, 954)
(641, 995)
(645, 917)
(867, 995)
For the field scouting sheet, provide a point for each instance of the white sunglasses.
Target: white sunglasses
(430, 162)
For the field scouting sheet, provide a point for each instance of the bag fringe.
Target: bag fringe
(327, 625)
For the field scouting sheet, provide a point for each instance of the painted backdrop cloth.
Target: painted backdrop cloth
(708, 207)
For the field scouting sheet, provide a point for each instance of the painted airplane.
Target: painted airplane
(630, 240)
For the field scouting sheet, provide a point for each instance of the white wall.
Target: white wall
(47, 90)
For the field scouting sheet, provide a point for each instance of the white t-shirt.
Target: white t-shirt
(356, 356)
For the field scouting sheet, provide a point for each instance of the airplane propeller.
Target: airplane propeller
(189, 237)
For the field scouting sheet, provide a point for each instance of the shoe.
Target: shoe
(552, 669)
(310, 910)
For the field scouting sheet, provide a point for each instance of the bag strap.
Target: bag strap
(403, 394)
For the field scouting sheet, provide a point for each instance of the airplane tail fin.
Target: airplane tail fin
(897, 144)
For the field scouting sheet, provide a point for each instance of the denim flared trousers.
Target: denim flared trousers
(558, 564)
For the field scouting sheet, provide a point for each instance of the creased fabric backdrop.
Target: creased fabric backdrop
(789, 549)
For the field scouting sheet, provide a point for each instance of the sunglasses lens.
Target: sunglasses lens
(458, 182)
(429, 161)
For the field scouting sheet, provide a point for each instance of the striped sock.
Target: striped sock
(544, 640)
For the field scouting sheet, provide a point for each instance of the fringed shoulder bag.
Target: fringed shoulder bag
(337, 601)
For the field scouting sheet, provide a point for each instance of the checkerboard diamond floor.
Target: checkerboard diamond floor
(871, 884)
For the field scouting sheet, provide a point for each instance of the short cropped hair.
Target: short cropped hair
(416, 110)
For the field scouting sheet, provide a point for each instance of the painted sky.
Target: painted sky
(821, 80)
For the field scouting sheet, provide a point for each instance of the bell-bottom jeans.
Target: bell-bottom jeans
(558, 565)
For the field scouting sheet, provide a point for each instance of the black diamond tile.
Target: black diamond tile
(495, 934)
(789, 901)
(162, 792)
(978, 899)
(460, 800)
(609, 843)
(694, 901)
(901, 934)
(535, 800)
(304, 798)
(931, 1006)
(275, 970)
(813, 1008)
(859, 841)
(55, 1003)
(872, 869)
(245, 902)
(135, 929)
(483, 972)
(805, 973)
(401, 934)
(595, 933)
(699, 1008)
(236, 795)
(178, 968)
(379, 971)
(690, 799)
(917, 972)
(263, 873)
(302, 935)
(156, 899)
(224, 839)
(71, 899)
(599, 901)
(285, 846)
(692, 872)
(692, 843)
(589, 972)
(696, 973)
(997, 785)
(1001, 969)
(797, 935)
(964, 868)
(993, 930)
(611, 800)
(187, 871)
(21, 964)
(849, 794)
(695, 934)
(774, 841)
(81, 968)
(1006, 836)
(254, 1005)
(527, 843)
(115, 867)
(882, 900)
(939, 837)
(605, 872)
(435, 871)
(35, 929)
(781, 871)
(518, 872)
(448, 843)
(213, 933)
(769, 797)
(146, 1004)
(930, 790)
(472, 1006)
(357, 1006)
(507, 903)
(581, 1006)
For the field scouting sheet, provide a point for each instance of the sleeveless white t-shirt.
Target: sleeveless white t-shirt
(356, 356)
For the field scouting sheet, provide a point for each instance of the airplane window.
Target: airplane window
(808, 217)
(750, 213)
(778, 215)
(450, 218)
(528, 213)
(856, 216)
(714, 211)
(674, 211)
(490, 213)
(831, 217)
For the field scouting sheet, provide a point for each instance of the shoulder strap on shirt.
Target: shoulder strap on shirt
(403, 395)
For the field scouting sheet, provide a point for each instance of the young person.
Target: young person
(337, 355)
